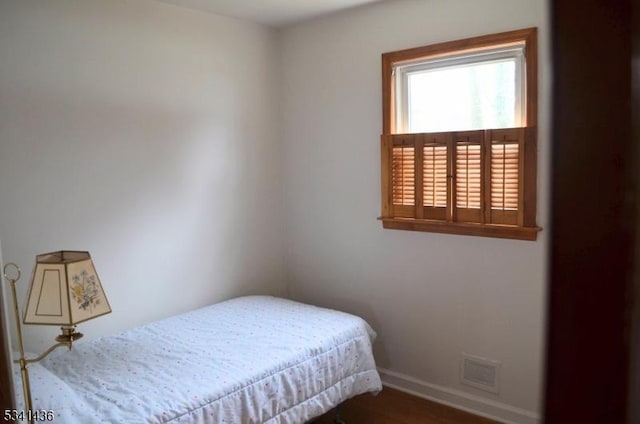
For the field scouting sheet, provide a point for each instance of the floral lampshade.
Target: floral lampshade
(65, 290)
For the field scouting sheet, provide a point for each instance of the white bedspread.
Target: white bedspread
(254, 359)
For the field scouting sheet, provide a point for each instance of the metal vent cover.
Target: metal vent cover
(480, 373)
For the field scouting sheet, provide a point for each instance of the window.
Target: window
(459, 137)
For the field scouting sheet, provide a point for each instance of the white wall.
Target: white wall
(429, 296)
(147, 134)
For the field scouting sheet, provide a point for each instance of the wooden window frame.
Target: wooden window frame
(519, 225)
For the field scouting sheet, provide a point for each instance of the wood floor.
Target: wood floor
(395, 407)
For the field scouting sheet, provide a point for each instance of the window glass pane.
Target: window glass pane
(467, 97)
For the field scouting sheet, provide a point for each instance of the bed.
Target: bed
(255, 359)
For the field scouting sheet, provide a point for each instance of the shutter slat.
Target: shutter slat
(403, 175)
(468, 181)
(435, 175)
(505, 172)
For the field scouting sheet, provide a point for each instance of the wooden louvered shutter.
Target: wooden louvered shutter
(468, 189)
(403, 176)
(470, 182)
(435, 181)
(506, 148)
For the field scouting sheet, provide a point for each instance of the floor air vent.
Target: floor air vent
(480, 373)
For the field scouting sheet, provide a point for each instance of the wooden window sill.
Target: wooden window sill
(462, 228)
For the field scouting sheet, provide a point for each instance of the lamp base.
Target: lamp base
(69, 335)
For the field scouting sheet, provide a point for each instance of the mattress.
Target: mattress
(255, 359)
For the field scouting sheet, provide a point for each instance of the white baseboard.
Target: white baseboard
(477, 405)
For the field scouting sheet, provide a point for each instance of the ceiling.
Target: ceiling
(274, 13)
